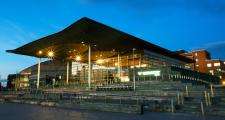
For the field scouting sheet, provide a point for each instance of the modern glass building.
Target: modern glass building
(95, 54)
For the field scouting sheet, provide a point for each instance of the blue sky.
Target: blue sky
(173, 24)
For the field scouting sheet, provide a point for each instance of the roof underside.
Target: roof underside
(99, 36)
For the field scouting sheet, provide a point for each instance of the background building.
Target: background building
(216, 67)
(204, 63)
(50, 71)
(17, 81)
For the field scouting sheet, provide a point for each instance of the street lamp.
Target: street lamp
(223, 82)
(50, 54)
(89, 66)
(89, 63)
(100, 61)
(40, 52)
(39, 68)
(78, 58)
(134, 81)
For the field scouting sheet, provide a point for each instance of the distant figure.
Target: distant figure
(110, 78)
(9, 84)
(47, 80)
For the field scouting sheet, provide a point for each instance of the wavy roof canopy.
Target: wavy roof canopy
(88, 31)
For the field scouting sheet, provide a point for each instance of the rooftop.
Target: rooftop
(85, 32)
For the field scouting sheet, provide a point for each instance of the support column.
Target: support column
(89, 66)
(134, 81)
(38, 72)
(186, 89)
(107, 77)
(118, 65)
(67, 72)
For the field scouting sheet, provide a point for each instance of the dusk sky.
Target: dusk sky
(173, 24)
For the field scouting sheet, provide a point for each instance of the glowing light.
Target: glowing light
(138, 66)
(124, 79)
(144, 65)
(100, 61)
(154, 73)
(107, 60)
(78, 58)
(40, 52)
(223, 83)
(50, 54)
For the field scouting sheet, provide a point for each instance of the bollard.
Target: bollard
(178, 98)
(105, 99)
(142, 109)
(70, 99)
(137, 100)
(120, 100)
(209, 99)
(212, 92)
(202, 109)
(182, 98)
(187, 93)
(206, 98)
(172, 107)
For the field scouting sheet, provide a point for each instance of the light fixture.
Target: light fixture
(223, 83)
(78, 58)
(50, 54)
(154, 73)
(40, 52)
(100, 61)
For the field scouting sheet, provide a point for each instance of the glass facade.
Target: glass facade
(138, 66)
(120, 69)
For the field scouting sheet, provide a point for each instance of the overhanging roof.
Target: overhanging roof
(89, 31)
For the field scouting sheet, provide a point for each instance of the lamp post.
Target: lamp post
(89, 66)
(38, 72)
(118, 65)
(134, 71)
(39, 68)
(67, 72)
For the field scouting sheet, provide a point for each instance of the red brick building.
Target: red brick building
(204, 63)
(216, 67)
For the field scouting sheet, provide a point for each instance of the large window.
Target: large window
(196, 54)
(209, 65)
(211, 71)
(216, 64)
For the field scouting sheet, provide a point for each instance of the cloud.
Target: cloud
(214, 44)
(216, 49)
(13, 34)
